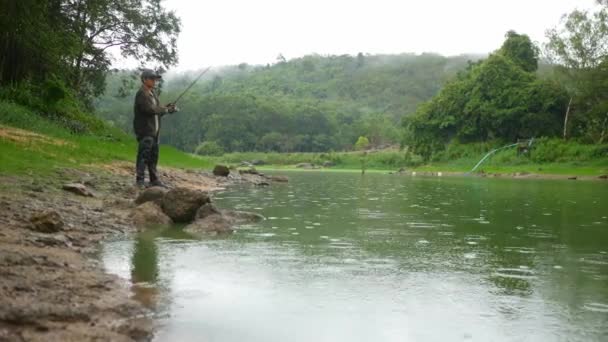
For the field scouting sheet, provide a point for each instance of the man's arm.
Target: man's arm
(142, 101)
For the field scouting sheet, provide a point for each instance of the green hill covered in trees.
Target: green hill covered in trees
(309, 104)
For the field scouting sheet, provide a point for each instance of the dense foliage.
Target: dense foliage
(308, 104)
(500, 98)
(55, 54)
(579, 49)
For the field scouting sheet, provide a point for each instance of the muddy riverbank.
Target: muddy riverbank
(52, 287)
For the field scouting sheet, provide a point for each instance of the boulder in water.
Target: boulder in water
(211, 220)
(181, 204)
(215, 223)
(150, 213)
(206, 210)
(241, 217)
(279, 179)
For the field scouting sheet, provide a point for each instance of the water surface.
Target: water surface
(343, 257)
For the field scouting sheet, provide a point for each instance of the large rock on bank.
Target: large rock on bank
(153, 194)
(221, 170)
(150, 213)
(181, 204)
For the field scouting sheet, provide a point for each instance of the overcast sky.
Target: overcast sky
(255, 31)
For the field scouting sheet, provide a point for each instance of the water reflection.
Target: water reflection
(144, 270)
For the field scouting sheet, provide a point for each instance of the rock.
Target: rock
(240, 217)
(221, 170)
(215, 223)
(181, 204)
(149, 213)
(246, 164)
(249, 171)
(153, 194)
(258, 162)
(305, 166)
(603, 177)
(279, 179)
(47, 222)
(206, 210)
(212, 220)
(78, 189)
(328, 163)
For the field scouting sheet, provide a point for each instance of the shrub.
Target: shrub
(209, 148)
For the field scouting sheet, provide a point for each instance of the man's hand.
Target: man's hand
(172, 108)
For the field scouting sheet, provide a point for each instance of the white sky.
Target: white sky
(228, 32)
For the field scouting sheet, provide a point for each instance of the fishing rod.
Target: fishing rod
(190, 86)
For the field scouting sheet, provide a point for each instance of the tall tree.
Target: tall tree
(520, 49)
(75, 40)
(579, 48)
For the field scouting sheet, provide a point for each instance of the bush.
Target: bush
(51, 102)
(209, 148)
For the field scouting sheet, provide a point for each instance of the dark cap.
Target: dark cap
(149, 73)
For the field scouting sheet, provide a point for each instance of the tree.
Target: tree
(581, 40)
(496, 99)
(139, 29)
(209, 148)
(579, 48)
(362, 143)
(72, 40)
(520, 49)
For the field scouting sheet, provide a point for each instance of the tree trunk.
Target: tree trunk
(566, 119)
(603, 134)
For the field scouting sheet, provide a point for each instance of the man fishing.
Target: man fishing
(146, 124)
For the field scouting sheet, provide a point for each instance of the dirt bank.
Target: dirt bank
(52, 288)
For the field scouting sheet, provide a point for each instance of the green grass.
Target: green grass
(39, 156)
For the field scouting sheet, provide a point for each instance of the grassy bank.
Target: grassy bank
(31, 143)
(548, 156)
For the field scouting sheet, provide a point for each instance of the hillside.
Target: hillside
(309, 104)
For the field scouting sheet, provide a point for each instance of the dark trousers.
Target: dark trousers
(147, 156)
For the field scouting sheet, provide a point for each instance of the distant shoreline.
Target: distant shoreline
(438, 173)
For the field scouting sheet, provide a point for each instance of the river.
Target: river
(345, 257)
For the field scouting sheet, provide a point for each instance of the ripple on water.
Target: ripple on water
(594, 260)
(470, 255)
(596, 307)
(521, 250)
(515, 273)
(421, 225)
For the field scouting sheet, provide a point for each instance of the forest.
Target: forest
(309, 104)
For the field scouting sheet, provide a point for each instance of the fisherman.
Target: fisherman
(146, 124)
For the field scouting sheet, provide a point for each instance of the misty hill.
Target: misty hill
(313, 103)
